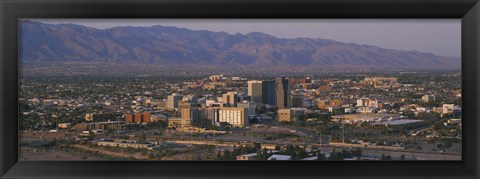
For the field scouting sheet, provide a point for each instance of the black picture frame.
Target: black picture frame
(467, 10)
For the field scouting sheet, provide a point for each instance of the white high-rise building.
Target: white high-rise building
(235, 116)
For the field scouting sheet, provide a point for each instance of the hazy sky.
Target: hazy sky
(438, 36)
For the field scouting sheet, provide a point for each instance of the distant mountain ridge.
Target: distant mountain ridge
(171, 45)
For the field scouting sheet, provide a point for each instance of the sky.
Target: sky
(438, 36)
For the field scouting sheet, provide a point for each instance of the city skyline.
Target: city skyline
(168, 93)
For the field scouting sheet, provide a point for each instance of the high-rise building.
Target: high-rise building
(283, 90)
(262, 92)
(268, 92)
(236, 116)
(249, 105)
(172, 100)
(255, 91)
(230, 99)
(191, 113)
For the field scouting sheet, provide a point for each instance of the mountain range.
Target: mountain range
(164, 45)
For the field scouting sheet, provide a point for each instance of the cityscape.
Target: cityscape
(97, 110)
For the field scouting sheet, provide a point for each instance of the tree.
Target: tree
(91, 135)
(226, 155)
(262, 154)
(357, 153)
(438, 126)
(386, 157)
(321, 156)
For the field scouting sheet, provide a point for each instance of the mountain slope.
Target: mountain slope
(171, 45)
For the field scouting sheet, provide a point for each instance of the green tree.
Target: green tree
(91, 135)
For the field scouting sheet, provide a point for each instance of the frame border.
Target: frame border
(467, 10)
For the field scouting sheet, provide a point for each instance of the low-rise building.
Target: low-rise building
(289, 115)
(121, 144)
(64, 125)
(176, 122)
(280, 157)
(144, 117)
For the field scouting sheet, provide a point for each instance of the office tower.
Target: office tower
(249, 105)
(268, 92)
(284, 90)
(230, 99)
(172, 100)
(191, 113)
(255, 91)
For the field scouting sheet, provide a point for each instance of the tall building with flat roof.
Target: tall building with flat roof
(262, 92)
(284, 90)
(230, 99)
(173, 100)
(255, 91)
(235, 116)
(249, 105)
(268, 92)
(191, 113)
